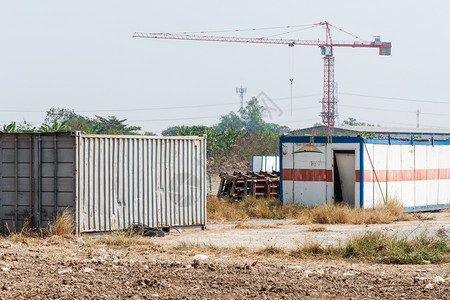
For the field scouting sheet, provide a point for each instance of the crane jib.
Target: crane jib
(328, 101)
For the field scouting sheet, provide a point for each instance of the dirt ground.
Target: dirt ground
(69, 267)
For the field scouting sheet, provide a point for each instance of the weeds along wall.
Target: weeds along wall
(365, 172)
(108, 182)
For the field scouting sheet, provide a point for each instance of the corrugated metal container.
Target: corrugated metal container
(365, 172)
(110, 182)
(266, 163)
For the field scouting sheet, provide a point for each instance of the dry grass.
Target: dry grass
(122, 239)
(249, 226)
(316, 228)
(220, 210)
(260, 208)
(343, 214)
(63, 224)
(271, 250)
(313, 249)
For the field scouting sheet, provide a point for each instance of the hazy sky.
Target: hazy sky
(81, 55)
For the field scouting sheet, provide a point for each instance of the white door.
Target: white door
(345, 163)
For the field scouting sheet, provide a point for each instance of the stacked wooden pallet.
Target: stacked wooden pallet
(238, 185)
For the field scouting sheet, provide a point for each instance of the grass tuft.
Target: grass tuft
(63, 224)
(121, 238)
(385, 248)
(271, 250)
(317, 229)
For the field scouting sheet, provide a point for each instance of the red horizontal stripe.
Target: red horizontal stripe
(308, 175)
(404, 175)
(369, 175)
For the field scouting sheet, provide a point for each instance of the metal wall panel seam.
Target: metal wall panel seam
(75, 183)
(128, 200)
(361, 174)
(184, 179)
(16, 171)
(101, 182)
(146, 187)
(135, 187)
(55, 173)
(281, 169)
(40, 181)
(157, 177)
(120, 189)
(114, 186)
(107, 182)
(154, 212)
(140, 175)
(204, 196)
(166, 167)
(30, 157)
(178, 191)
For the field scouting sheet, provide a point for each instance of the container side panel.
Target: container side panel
(407, 167)
(420, 175)
(393, 162)
(36, 176)
(151, 181)
(287, 180)
(308, 173)
(432, 188)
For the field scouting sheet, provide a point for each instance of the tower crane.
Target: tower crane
(326, 46)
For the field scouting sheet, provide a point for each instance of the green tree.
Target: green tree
(75, 122)
(353, 122)
(249, 118)
(150, 133)
(170, 131)
(230, 120)
(112, 125)
(252, 116)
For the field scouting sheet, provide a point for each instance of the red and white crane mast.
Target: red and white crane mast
(328, 100)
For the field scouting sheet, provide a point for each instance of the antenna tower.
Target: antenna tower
(241, 91)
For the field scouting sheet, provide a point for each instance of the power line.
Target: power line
(396, 99)
(394, 110)
(211, 117)
(156, 108)
(175, 119)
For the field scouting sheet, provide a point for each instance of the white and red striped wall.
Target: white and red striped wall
(416, 173)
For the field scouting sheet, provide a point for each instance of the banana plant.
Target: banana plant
(9, 128)
(55, 127)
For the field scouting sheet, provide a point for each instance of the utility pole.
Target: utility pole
(291, 80)
(418, 115)
(241, 91)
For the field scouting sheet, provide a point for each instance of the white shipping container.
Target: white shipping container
(266, 163)
(365, 172)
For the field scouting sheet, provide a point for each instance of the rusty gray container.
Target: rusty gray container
(109, 182)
